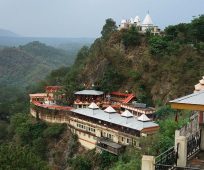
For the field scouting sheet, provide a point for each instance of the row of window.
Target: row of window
(84, 134)
(108, 135)
(87, 128)
(127, 140)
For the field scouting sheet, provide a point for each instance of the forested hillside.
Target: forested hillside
(155, 68)
(28, 64)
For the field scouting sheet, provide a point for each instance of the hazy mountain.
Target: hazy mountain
(64, 43)
(7, 33)
(30, 63)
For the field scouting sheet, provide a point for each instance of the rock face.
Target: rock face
(135, 69)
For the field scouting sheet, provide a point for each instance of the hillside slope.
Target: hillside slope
(30, 63)
(155, 68)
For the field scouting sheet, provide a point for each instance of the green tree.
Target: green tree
(158, 45)
(108, 28)
(17, 158)
(131, 37)
(197, 28)
(80, 163)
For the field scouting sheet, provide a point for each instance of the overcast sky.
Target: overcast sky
(85, 18)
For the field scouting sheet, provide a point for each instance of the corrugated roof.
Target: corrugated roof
(115, 118)
(195, 98)
(89, 92)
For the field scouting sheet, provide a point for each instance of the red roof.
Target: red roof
(54, 107)
(128, 97)
(119, 94)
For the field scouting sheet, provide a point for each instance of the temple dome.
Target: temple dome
(143, 118)
(131, 20)
(109, 109)
(93, 106)
(123, 21)
(147, 21)
(137, 19)
(127, 114)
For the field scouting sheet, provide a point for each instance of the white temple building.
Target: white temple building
(143, 26)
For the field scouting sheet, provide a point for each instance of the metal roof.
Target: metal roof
(115, 118)
(195, 99)
(90, 92)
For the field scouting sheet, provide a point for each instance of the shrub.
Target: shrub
(53, 131)
(131, 37)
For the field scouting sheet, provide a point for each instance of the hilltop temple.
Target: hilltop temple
(142, 26)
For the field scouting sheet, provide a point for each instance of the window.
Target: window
(109, 136)
(122, 139)
(128, 140)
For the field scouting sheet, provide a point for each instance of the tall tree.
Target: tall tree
(108, 28)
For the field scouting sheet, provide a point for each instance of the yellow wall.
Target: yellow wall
(88, 132)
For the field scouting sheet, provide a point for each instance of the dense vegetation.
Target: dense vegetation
(155, 68)
(28, 64)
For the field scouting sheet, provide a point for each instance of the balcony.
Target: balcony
(109, 146)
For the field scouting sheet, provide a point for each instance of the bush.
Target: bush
(17, 157)
(80, 163)
(72, 145)
(158, 45)
(131, 37)
(53, 131)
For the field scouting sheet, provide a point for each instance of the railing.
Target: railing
(109, 146)
(193, 144)
(167, 160)
(169, 167)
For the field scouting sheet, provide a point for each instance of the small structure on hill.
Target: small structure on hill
(142, 26)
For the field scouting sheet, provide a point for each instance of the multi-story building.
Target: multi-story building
(105, 129)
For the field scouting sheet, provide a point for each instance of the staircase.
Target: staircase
(129, 98)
